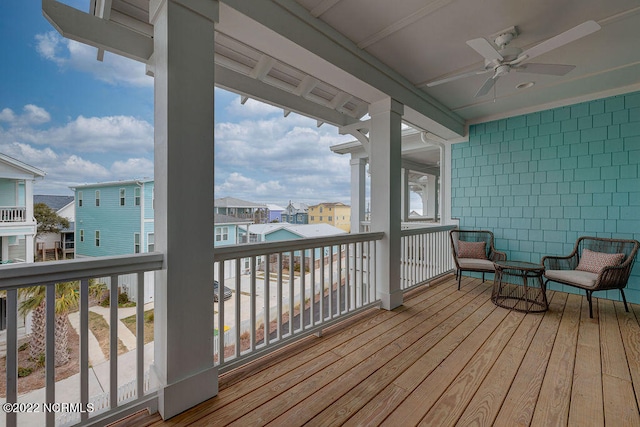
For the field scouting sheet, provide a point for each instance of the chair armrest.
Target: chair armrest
(569, 262)
(615, 277)
(497, 256)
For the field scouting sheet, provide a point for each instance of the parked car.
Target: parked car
(226, 292)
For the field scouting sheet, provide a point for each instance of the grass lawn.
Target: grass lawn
(100, 329)
(130, 322)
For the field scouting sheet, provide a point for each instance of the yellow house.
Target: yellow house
(333, 213)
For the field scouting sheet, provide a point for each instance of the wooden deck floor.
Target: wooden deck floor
(446, 357)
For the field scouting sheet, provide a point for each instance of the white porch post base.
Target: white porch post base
(187, 393)
(391, 300)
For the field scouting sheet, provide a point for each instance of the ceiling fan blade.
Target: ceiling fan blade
(486, 87)
(568, 36)
(551, 69)
(484, 48)
(456, 77)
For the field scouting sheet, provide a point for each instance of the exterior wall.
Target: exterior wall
(342, 218)
(280, 235)
(541, 180)
(117, 224)
(230, 235)
(8, 192)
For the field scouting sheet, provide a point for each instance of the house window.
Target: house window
(136, 243)
(123, 194)
(82, 235)
(320, 209)
(222, 234)
(321, 218)
(79, 199)
(329, 218)
(151, 242)
(136, 196)
(97, 197)
(97, 238)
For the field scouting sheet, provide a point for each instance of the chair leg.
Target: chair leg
(483, 277)
(626, 308)
(459, 277)
(589, 296)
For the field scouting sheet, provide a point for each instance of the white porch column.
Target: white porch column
(28, 199)
(358, 177)
(184, 98)
(406, 196)
(386, 159)
(430, 197)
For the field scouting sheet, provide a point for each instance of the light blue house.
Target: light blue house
(114, 218)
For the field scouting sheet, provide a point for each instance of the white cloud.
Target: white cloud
(114, 69)
(123, 134)
(33, 115)
(132, 168)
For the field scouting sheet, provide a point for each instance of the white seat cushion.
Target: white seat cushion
(475, 264)
(583, 279)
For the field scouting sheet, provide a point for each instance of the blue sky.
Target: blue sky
(85, 121)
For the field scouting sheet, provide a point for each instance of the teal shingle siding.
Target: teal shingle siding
(555, 175)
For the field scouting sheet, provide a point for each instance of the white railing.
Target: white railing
(287, 290)
(13, 214)
(426, 254)
(47, 274)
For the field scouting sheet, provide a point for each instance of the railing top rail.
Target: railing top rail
(28, 274)
(224, 253)
(427, 230)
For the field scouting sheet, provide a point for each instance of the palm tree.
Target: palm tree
(33, 299)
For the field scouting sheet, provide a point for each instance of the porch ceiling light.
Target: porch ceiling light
(526, 85)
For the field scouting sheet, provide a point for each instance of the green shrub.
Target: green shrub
(24, 372)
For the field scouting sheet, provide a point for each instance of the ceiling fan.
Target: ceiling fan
(501, 58)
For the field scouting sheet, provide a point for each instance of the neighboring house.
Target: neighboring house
(116, 218)
(295, 213)
(275, 213)
(62, 243)
(18, 227)
(336, 214)
(242, 209)
(228, 230)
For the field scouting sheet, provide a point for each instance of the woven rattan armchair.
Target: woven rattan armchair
(606, 265)
(470, 255)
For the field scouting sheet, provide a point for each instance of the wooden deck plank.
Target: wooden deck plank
(413, 345)
(518, 406)
(450, 363)
(406, 332)
(630, 332)
(449, 407)
(620, 408)
(487, 401)
(552, 408)
(586, 392)
(444, 357)
(614, 359)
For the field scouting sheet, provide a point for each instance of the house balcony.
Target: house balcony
(13, 214)
(446, 357)
(298, 288)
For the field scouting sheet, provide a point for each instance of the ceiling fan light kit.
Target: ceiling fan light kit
(500, 58)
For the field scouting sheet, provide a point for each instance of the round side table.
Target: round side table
(518, 286)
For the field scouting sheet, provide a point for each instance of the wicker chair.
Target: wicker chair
(462, 246)
(607, 266)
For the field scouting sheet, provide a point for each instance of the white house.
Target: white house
(18, 227)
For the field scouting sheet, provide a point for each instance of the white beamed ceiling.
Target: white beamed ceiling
(415, 42)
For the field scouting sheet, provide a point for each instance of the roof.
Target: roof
(232, 202)
(54, 202)
(315, 230)
(226, 219)
(113, 183)
(23, 167)
(273, 207)
(330, 204)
